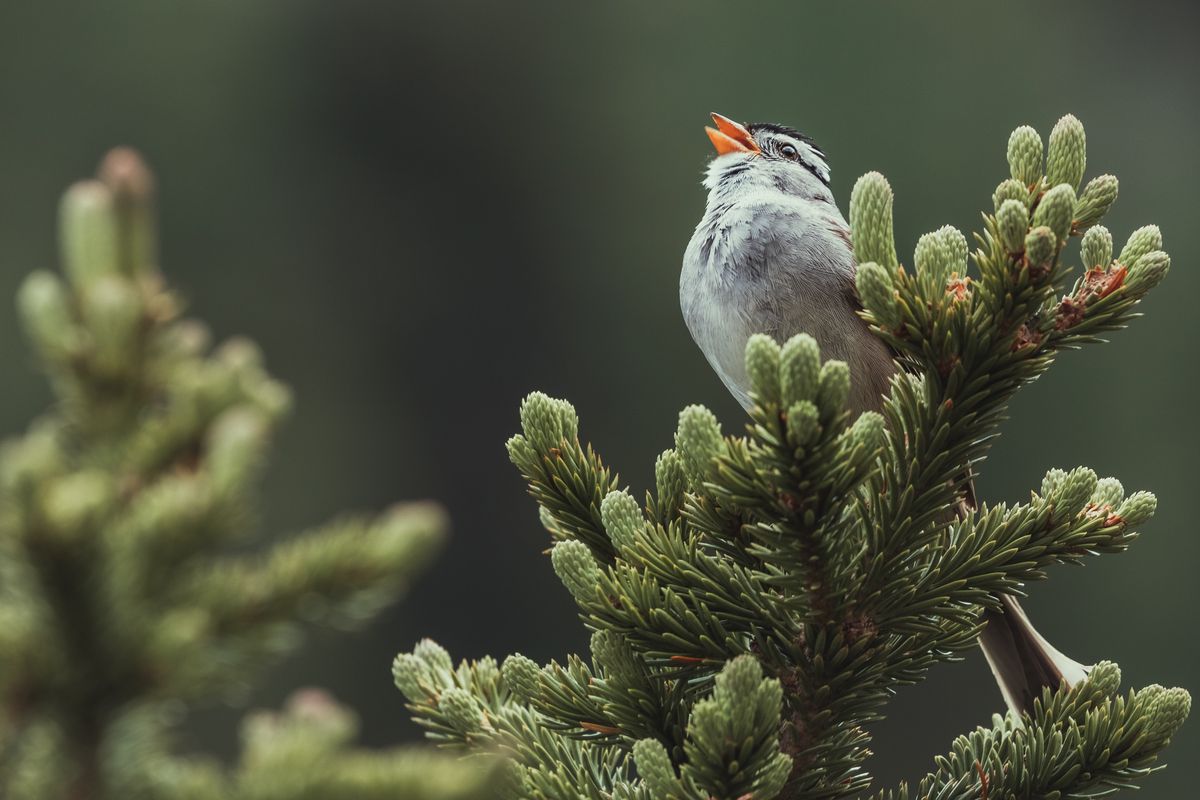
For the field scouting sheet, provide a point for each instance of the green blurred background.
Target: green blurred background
(423, 210)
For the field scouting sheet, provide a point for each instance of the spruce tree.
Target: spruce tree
(754, 613)
(130, 588)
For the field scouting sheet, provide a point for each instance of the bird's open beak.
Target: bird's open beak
(731, 137)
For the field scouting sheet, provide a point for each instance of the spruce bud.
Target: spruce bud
(1056, 210)
(1010, 189)
(1105, 678)
(762, 366)
(1025, 155)
(1066, 158)
(76, 503)
(1109, 492)
(871, 220)
(800, 367)
(521, 452)
(1167, 713)
(1140, 242)
(547, 422)
(670, 482)
(434, 655)
(622, 518)
(833, 388)
(111, 309)
(1138, 508)
(1013, 223)
(522, 677)
(1097, 198)
(46, 315)
(803, 423)
(1147, 272)
(1096, 248)
(941, 253)
(878, 294)
(698, 441)
(1074, 492)
(1040, 247)
(461, 710)
(1051, 483)
(88, 232)
(412, 677)
(132, 185)
(869, 432)
(655, 769)
(575, 567)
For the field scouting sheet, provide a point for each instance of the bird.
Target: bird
(772, 254)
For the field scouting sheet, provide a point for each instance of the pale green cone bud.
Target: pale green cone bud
(111, 309)
(575, 567)
(698, 441)
(1041, 245)
(622, 518)
(670, 481)
(520, 452)
(434, 655)
(88, 232)
(803, 423)
(1096, 248)
(1051, 482)
(461, 710)
(1012, 221)
(762, 366)
(1056, 211)
(612, 652)
(869, 431)
(1141, 241)
(833, 388)
(1105, 678)
(800, 369)
(75, 504)
(522, 677)
(412, 677)
(1167, 713)
(1097, 198)
(235, 447)
(548, 422)
(546, 517)
(877, 293)
(1138, 508)
(1147, 272)
(1109, 492)
(1025, 155)
(655, 769)
(1074, 492)
(132, 185)
(1010, 189)
(871, 221)
(46, 315)
(1066, 158)
(941, 253)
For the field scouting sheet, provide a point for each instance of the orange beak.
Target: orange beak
(731, 137)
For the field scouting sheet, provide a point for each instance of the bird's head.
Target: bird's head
(766, 155)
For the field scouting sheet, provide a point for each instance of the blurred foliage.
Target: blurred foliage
(121, 602)
(377, 190)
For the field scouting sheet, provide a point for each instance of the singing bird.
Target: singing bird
(772, 254)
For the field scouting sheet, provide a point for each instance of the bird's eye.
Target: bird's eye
(789, 152)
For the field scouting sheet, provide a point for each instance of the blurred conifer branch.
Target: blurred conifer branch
(120, 598)
(757, 611)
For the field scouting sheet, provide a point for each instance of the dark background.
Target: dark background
(423, 210)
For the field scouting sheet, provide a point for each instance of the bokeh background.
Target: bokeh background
(423, 210)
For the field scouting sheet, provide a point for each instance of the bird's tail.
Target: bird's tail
(1021, 658)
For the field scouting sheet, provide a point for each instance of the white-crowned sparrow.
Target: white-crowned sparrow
(772, 255)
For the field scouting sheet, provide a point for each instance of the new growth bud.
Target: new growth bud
(655, 769)
(461, 710)
(871, 221)
(548, 422)
(1025, 155)
(1097, 198)
(1056, 211)
(670, 482)
(800, 368)
(877, 293)
(869, 432)
(87, 226)
(1067, 156)
(762, 367)
(1140, 242)
(698, 441)
(1010, 189)
(522, 677)
(1138, 508)
(1041, 245)
(803, 423)
(940, 254)
(46, 315)
(575, 567)
(1012, 220)
(622, 518)
(1147, 272)
(1096, 248)
(833, 388)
